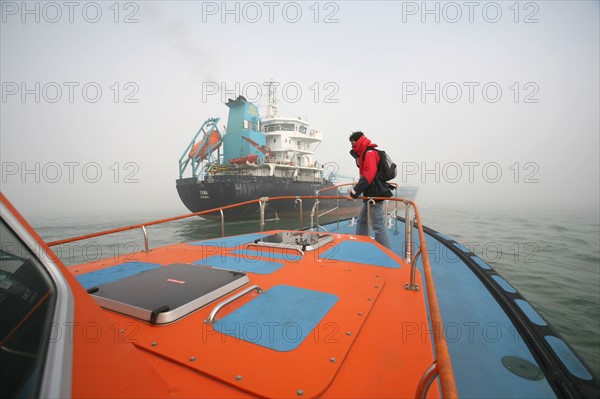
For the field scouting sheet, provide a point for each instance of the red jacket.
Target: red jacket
(367, 164)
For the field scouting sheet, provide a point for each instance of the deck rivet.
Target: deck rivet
(193, 359)
(348, 333)
(154, 343)
(332, 360)
(122, 331)
(360, 313)
(238, 377)
(300, 392)
(369, 299)
(376, 286)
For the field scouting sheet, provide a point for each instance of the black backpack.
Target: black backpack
(386, 168)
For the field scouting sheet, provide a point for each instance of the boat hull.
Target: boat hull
(223, 190)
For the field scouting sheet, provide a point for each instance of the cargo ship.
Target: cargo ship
(254, 158)
(258, 157)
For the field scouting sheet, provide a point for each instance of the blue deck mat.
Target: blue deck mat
(360, 252)
(229, 242)
(114, 273)
(279, 319)
(241, 263)
(479, 335)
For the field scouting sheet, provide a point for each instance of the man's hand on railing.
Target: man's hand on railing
(349, 197)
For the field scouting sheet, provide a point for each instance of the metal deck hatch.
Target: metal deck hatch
(167, 293)
(300, 240)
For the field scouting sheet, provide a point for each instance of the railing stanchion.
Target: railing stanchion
(312, 215)
(317, 209)
(146, 247)
(408, 239)
(222, 223)
(412, 286)
(261, 204)
(396, 204)
(337, 203)
(299, 201)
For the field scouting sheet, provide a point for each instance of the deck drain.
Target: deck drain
(522, 368)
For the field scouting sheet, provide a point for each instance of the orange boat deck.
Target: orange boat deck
(374, 341)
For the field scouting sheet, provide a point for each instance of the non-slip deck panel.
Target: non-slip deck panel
(360, 252)
(478, 331)
(279, 319)
(114, 273)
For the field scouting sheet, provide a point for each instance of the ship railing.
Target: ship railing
(442, 366)
(337, 203)
(391, 216)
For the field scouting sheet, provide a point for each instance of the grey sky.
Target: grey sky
(516, 122)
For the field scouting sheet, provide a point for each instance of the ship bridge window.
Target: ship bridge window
(302, 129)
(287, 127)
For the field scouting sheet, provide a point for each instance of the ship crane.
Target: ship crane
(263, 149)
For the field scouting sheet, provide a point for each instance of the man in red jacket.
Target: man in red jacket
(370, 186)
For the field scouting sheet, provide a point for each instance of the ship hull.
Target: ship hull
(223, 190)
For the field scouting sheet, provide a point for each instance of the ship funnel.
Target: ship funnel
(243, 123)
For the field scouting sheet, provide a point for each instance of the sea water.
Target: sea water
(551, 258)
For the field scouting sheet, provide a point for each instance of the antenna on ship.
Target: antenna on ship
(272, 104)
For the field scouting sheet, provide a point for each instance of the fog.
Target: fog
(481, 104)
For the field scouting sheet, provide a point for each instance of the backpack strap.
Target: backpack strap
(371, 149)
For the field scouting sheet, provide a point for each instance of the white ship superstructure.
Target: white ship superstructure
(291, 140)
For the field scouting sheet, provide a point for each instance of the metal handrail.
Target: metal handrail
(444, 365)
(426, 380)
(336, 187)
(337, 201)
(443, 362)
(212, 316)
(331, 210)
